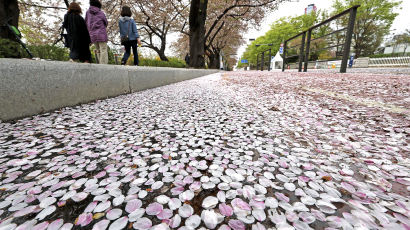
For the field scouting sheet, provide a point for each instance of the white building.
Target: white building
(393, 49)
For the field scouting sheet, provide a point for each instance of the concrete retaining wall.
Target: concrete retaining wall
(361, 62)
(33, 87)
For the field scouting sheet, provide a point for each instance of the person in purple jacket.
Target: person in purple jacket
(97, 27)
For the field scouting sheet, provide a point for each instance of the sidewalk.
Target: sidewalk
(239, 150)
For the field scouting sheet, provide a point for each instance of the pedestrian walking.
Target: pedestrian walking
(187, 59)
(129, 35)
(77, 34)
(97, 27)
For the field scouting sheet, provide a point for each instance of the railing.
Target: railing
(306, 39)
(389, 62)
(262, 62)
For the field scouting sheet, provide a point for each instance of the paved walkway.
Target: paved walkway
(245, 150)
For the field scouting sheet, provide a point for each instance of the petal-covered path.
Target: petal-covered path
(240, 150)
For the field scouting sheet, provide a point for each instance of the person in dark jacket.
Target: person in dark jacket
(97, 26)
(77, 33)
(128, 29)
(187, 59)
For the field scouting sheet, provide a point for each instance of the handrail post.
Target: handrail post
(263, 60)
(257, 62)
(309, 37)
(348, 42)
(302, 49)
(284, 56)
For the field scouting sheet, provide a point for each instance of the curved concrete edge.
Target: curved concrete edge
(30, 88)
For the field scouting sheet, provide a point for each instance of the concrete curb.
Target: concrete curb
(30, 88)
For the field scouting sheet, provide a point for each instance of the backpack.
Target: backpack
(125, 39)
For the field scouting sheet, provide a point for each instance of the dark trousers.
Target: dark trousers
(128, 45)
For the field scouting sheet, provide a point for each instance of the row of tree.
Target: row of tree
(205, 28)
(373, 23)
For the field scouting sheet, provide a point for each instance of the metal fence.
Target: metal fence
(389, 62)
(260, 64)
(306, 39)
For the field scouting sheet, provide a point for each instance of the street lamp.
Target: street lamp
(270, 44)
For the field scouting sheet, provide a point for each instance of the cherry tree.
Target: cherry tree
(204, 27)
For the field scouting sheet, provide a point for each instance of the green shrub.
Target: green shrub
(13, 49)
(389, 55)
(10, 49)
(49, 52)
(172, 62)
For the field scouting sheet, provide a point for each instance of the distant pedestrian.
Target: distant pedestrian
(129, 35)
(77, 34)
(187, 59)
(97, 26)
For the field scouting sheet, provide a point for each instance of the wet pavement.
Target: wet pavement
(238, 150)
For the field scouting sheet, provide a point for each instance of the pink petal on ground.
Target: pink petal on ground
(102, 206)
(78, 174)
(282, 197)
(55, 225)
(175, 221)
(143, 223)
(195, 186)
(188, 180)
(236, 225)
(308, 166)
(114, 214)
(258, 226)
(26, 186)
(283, 164)
(67, 226)
(81, 218)
(24, 211)
(165, 214)
(100, 174)
(91, 206)
(348, 187)
(259, 214)
(88, 220)
(41, 226)
(35, 190)
(133, 205)
(185, 211)
(102, 225)
(241, 204)
(257, 204)
(119, 224)
(405, 181)
(304, 178)
(224, 227)
(154, 209)
(177, 190)
(225, 209)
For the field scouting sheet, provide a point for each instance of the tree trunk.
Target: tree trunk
(162, 55)
(214, 62)
(161, 52)
(9, 13)
(197, 18)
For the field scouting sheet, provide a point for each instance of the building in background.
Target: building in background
(397, 49)
(310, 8)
